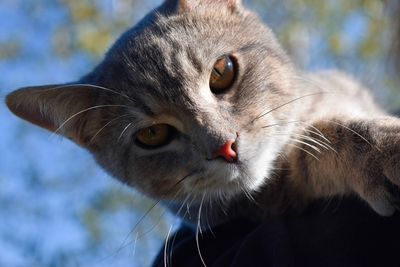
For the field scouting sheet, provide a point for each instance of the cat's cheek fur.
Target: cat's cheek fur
(259, 161)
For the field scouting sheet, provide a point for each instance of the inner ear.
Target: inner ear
(64, 109)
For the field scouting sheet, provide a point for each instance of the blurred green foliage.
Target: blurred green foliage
(93, 27)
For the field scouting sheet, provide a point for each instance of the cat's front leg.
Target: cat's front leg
(346, 156)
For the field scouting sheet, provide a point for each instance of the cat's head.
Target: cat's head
(180, 105)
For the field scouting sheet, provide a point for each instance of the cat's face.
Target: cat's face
(174, 91)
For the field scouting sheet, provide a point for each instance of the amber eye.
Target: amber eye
(154, 136)
(222, 75)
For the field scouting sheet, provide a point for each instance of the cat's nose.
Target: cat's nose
(227, 151)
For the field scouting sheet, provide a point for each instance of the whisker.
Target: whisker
(248, 195)
(287, 103)
(134, 244)
(315, 141)
(306, 144)
(317, 132)
(104, 126)
(199, 230)
(123, 245)
(319, 142)
(141, 219)
(153, 226)
(156, 224)
(92, 86)
(166, 244)
(187, 211)
(208, 206)
(83, 111)
(124, 130)
(221, 202)
(301, 136)
(247, 192)
(304, 150)
(271, 125)
(301, 142)
(183, 217)
(351, 130)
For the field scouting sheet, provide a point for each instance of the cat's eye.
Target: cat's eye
(223, 74)
(154, 136)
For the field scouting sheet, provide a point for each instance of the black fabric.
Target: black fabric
(347, 233)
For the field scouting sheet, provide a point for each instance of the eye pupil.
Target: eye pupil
(217, 72)
(222, 75)
(151, 132)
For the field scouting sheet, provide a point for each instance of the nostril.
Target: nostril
(233, 147)
(227, 151)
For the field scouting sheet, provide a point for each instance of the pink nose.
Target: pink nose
(227, 151)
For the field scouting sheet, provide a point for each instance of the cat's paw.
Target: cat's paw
(381, 193)
(379, 160)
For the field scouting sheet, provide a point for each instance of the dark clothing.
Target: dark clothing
(346, 233)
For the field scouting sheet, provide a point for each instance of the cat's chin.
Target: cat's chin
(225, 179)
(216, 177)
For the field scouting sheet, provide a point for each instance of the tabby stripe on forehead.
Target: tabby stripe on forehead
(174, 64)
(143, 107)
(176, 69)
(167, 64)
(196, 62)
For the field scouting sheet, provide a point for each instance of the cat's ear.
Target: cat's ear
(189, 5)
(63, 109)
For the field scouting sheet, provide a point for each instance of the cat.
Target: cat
(199, 107)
